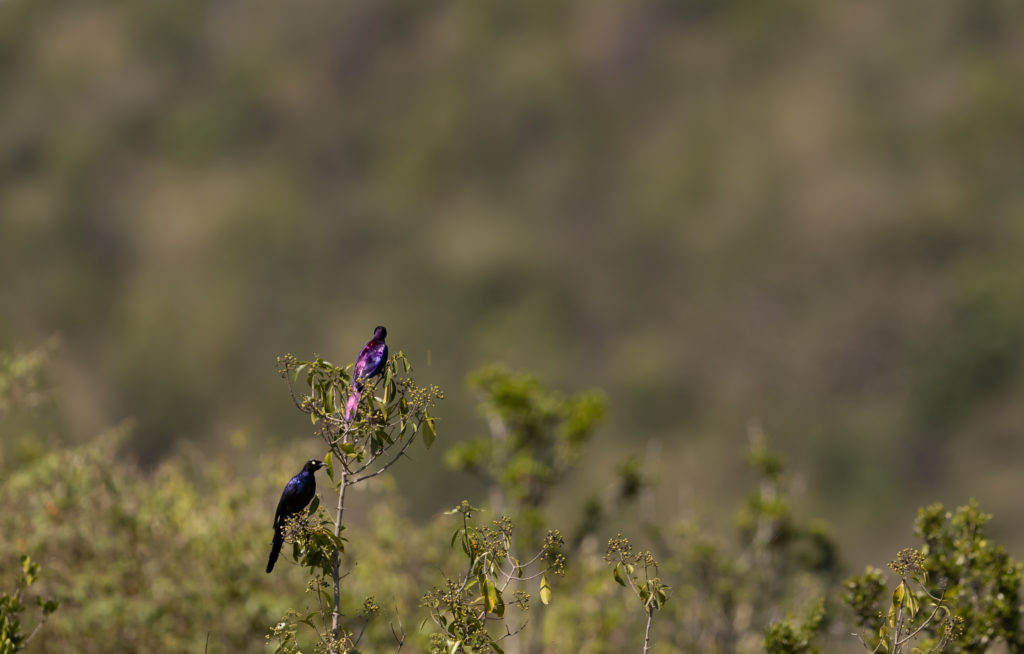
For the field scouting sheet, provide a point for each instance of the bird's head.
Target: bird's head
(380, 333)
(313, 465)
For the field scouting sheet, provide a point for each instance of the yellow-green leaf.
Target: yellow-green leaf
(429, 435)
(545, 590)
(897, 602)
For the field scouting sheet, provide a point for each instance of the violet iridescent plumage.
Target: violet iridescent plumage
(297, 493)
(369, 363)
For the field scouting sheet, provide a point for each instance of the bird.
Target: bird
(297, 493)
(369, 363)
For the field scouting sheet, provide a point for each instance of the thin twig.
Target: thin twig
(509, 634)
(647, 632)
(320, 599)
(390, 463)
(42, 621)
(923, 624)
(401, 640)
(864, 643)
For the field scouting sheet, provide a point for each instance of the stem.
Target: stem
(896, 643)
(43, 620)
(336, 559)
(647, 632)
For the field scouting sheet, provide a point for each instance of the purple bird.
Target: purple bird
(370, 362)
(297, 493)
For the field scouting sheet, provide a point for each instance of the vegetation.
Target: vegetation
(796, 214)
(12, 638)
(172, 559)
(805, 214)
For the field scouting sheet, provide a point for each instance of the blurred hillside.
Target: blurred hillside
(807, 215)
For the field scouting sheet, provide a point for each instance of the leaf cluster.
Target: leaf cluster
(12, 605)
(536, 435)
(471, 603)
(637, 571)
(959, 592)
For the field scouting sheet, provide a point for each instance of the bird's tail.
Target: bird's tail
(275, 548)
(353, 403)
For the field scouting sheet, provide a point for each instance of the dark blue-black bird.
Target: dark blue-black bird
(370, 362)
(297, 493)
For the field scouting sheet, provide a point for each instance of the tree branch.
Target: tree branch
(336, 559)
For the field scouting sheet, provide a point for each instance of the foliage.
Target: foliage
(740, 599)
(904, 626)
(163, 560)
(21, 383)
(787, 638)
(493, 577)
(627, 567)
(552, 174)
(960, 592)
(981, 582)
(143, 561)
(360, 448)
(536, 437)
(12, 637)
(728, 595)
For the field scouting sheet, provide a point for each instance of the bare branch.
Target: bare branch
(390, 463)
(401, 630)
(647, 631)
(43, 620)
(509, 634)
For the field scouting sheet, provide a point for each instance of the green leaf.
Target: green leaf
(617, 574)
(338, 541)
(545, 590)
(429, 435)
(329, 464)
(490, 594)
(298, 371)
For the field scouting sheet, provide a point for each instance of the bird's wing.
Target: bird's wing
(288, 496)
(362, 361)
(375, 358)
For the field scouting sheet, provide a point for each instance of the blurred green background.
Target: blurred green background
(806, 216)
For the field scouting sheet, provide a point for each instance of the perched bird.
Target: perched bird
(297, 493)
(370, 362)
